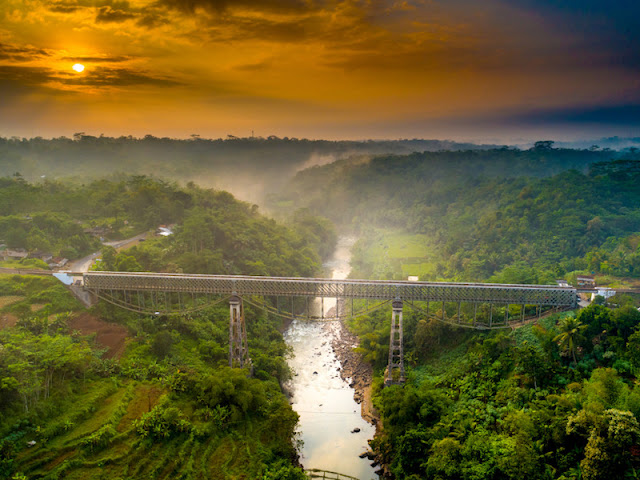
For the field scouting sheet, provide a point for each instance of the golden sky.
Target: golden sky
(317, 69)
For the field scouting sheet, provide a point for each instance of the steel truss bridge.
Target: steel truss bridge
(470, 305)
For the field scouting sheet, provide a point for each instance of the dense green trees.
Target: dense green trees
(570, 335)
(171, 393)
(552, 401)
(214, 232)
(504, 215)
(512, 405)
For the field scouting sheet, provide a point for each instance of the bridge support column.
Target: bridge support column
(396, 350)
(238, 348)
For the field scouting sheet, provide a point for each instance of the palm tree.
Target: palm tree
(570, 335)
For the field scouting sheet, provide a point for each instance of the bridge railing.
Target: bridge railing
(315, 473)
(544, 295)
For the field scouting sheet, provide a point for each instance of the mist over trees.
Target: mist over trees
(214, 232)
(556, 400)
(167, 401)
(247, 167)
(506, 215)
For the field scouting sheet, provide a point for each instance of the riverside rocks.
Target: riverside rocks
(354, 370)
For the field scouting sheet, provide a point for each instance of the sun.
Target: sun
(78, 67)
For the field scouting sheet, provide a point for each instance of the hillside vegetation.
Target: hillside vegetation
(169, 406)
(214, 232)
(557, 399)
(503, 215)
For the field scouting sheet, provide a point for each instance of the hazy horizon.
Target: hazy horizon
(493, 72)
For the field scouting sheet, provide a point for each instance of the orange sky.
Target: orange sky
(336, 69)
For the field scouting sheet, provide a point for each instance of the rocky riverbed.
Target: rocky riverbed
(353, 369)
(331, 387)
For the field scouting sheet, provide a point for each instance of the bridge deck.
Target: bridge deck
(545, 295)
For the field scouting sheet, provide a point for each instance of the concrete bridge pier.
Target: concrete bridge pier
(396, 349)
(238, 347)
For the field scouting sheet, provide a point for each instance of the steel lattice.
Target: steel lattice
(543, 295)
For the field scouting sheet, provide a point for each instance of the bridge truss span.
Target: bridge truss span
(475, 305)
(541, 295)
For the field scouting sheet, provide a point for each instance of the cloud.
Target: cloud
(109, 14)
(237, 29)
(29, 79)
(99, 59)
(25, 75)
(255, 67)
(21, 53)
(116, 77)
(606, 31)
(106, 11)
(191, 6)
(72, 6)
(152, 19)
(21, 82)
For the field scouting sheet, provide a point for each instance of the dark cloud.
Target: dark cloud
(608, 29)
(255, 67)
(116, 77)
(19, 82)
(105, 59)
(190, 6)
(109, 14)
(26, 76)
(64, 8)
(71, 6)
(22, 78)
(249, 28)
(21, 53)
(152, 19)
(107, 11)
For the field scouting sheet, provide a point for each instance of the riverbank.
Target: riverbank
(355, 371)
(329, 386)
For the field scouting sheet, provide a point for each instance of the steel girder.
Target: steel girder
(543, 295)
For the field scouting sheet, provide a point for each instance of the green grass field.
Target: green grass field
(392, 254)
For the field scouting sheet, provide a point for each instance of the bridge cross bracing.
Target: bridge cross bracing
(131, 285)
(542, 295)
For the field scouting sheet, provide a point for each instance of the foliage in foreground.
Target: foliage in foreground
(557, 400)
(169, 408)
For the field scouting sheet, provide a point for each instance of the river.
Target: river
(329, 416)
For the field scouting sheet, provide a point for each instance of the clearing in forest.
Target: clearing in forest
(110, 335)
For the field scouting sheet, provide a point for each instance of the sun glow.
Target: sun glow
(78, 67)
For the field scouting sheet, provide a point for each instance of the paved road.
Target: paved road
(126, 243)
(84, 264)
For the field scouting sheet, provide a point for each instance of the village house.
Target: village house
(14, 254)
(603, 292)
(98, 231)
(586, 281)
(45, 257)
(57, 262)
